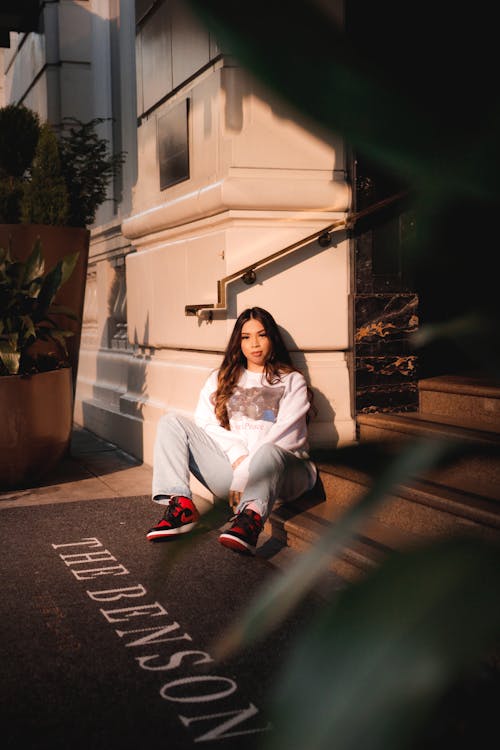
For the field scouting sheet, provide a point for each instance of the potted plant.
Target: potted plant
(36, 393)
(50, 188)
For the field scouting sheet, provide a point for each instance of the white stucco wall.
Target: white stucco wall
(259, 181)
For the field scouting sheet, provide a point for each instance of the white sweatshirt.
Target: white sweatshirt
(258, 413)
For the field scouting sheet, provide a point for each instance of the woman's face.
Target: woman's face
(255, 345)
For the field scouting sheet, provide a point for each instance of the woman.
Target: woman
(248, 440)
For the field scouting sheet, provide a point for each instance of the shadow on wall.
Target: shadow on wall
(120, 395)
(322, 410)
(238, 85)
(116, 411)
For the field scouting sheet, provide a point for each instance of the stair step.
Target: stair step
(458, 397)
(464, 473)
(473, 424)
(421, 507)
(415, 424)
(464, 384)
(417, 511)
(300, 529)
(462, 498)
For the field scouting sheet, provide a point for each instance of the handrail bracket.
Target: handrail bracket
(324, 237)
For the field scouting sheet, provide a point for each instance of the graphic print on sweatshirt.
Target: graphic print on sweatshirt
(259, 404)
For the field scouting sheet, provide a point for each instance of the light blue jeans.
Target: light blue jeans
(182, 447)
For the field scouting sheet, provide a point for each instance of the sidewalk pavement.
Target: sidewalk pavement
(107, 641)
(96, 469)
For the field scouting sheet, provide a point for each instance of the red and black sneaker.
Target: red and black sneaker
(180, 516)
(244, 532)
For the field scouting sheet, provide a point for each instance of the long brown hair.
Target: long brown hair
(234, 361)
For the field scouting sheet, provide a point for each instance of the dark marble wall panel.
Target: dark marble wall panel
(385, 370)
(385, 363)
(382, 319)
(385, 305)
(385, 399)
(364, 274)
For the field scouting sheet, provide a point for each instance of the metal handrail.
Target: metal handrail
(324, 237)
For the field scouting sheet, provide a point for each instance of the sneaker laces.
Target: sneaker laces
(247, 521)
(174, 509)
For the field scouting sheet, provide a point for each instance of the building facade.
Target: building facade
(218, 176)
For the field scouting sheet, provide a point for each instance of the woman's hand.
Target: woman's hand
(238, 462)
(234, 498)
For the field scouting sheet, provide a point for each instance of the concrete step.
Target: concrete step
(299, 529)
(455, 398)
(419, 507)
(414, 512)
(473, 470)
(461, 498)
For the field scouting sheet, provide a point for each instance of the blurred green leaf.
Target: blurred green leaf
(394, 87)
(378, 658)
(399, 82)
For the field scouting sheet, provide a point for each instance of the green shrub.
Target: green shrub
(45, 196)
(19, 133)
(45, 179)
(88, 169)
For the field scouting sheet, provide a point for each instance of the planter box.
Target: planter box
(37, 419)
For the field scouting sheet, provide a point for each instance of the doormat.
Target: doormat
(106, 639)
